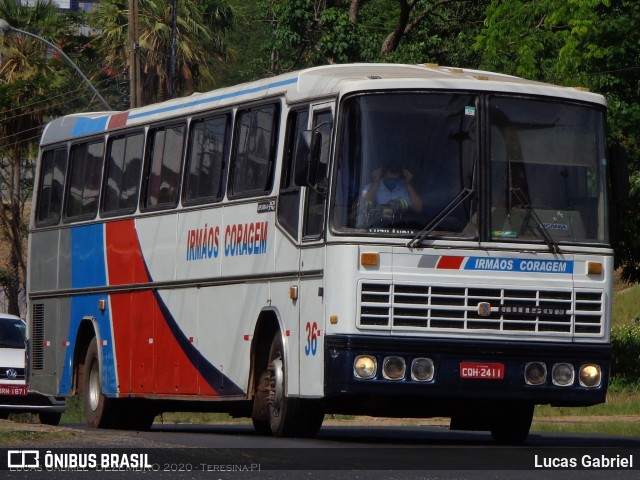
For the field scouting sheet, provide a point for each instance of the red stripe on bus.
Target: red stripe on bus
(118, 120)
(160, 367)
(450, 262)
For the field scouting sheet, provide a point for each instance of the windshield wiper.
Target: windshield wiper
(522, 198)
(444, 213)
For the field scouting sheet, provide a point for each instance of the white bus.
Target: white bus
(388, 240)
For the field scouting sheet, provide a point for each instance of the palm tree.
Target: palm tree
(28, 76)
(200, 41)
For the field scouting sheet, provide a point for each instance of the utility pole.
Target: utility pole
(172, 51)
(135, 86)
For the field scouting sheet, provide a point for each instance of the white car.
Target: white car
(15, 396)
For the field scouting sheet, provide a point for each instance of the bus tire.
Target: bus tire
(288, 416)
(97, 407)
(511, 426)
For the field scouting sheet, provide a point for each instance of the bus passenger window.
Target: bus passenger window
(122, 183)
(254, 151)
(85, 174)
(208, 148)
(165, 159)
(54, 166)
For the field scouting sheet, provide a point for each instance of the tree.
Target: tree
(591, 43)
(312, 32)
(200, 41)
(28, 75)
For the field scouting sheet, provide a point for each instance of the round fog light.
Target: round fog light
(393, 368)
(365, 366)
(422, 369)
(535, 373)
(590, 375)
(563, 374)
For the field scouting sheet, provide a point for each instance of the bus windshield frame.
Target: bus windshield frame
(470, 166)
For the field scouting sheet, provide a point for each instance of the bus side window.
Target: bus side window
(50, 191)
(85, 174)
(255, 146)
(163, 170)
(289, 198)
(122, 181)
(206, 168)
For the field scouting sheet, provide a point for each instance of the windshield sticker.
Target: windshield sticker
(503, 234)
(470, 111)
(453, 262)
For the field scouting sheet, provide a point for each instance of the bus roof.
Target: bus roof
(314, 82)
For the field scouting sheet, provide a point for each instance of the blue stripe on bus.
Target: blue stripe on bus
(88, 269)
(212, 99)
(86, 126)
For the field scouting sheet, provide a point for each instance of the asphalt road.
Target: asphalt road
(340, 452)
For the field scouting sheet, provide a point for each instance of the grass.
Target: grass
(626, 306)
(595, 428)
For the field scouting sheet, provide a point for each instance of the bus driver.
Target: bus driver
(392, 183)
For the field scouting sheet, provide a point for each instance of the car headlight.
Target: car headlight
(393, 368)
(422, 369)
(535, 373)
(590, 375)
(365, 366)
(563, 374)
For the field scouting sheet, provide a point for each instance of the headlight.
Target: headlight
(562, 374)
(393, 368)
(365, 366)
(422, 369)
(590, 375)
(535, 373)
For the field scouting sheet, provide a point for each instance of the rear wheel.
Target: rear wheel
(103, 412)
(97, 407)
(287, 416)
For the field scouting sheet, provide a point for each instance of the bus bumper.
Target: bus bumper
(449, 390)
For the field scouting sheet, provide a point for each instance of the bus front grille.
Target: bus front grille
(439, 308)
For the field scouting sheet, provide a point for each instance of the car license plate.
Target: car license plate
(14, 390)
(486, 371)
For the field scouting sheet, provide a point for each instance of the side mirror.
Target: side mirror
(319, 157)
(312, 157)
(302, 150)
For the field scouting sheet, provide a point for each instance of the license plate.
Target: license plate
(14, 390)
(486, 371)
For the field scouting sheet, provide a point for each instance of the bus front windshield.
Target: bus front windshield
(403, 158)
(547, 171)
(408, 165)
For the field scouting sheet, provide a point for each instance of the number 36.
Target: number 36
(311, 348)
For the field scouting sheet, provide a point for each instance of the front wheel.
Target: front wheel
(512, 425)
(287, 416)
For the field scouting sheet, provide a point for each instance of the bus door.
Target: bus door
(312, 262)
